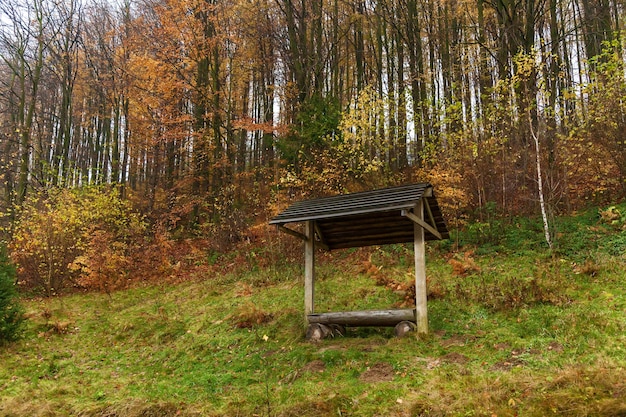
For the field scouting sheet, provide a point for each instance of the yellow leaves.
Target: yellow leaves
(58, 236)
(612, 216)
(474, 147)
(78, 265)
(361, 144)
(525, 65)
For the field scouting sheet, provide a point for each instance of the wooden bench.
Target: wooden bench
(322, 325)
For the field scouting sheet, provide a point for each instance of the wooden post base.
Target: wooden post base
(317, 331)
(403, 328)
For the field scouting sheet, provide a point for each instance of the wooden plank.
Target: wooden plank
(327, 214)
(401, 221)
(353, 204)
(383, 230)
(363, 243)
(309, 268)
(340, 224)
(358, 241)
(421, 310)
(373, 234)
(388, 318)
(302, 236)
(400, 224)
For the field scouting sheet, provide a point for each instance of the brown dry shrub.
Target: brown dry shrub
(597, 391)
(249, 316)
(465, 265)
(424, 407)
(142, 408)
(105, 263)
(589, 268)
(611, 215)
(59, 327)
(404, 289)
(375, 272)
(452, 189)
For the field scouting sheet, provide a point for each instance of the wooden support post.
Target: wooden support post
(421, 312)
(309, 268)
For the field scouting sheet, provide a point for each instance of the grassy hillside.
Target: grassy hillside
(514, 331)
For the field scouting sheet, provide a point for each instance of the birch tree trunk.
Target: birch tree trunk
(542, 202)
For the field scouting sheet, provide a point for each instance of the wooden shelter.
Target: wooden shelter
(401, 214)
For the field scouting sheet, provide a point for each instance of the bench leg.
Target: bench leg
(404, 327)
(317, 331)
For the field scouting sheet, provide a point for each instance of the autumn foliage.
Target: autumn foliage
(210, 117)
(11, 311)
(464, 264)
(75, 238)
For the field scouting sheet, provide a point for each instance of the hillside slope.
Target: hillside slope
(515, 330)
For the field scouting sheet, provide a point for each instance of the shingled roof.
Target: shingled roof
(367, 218)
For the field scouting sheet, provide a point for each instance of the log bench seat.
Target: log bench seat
(322, 325)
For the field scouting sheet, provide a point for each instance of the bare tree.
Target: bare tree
(23, 49)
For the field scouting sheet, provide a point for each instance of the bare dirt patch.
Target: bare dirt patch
(379, 372)
(508, 364)
(315, 366)
(454, 357)
(502, 346)
(555, 347)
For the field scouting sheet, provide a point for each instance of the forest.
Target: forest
(205, 118)
(146, 144)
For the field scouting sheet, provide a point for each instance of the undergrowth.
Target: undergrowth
(11, 314)
(514, 330)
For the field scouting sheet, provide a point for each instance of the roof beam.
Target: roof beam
(322, 242)
(430, 213)
(292, 232)
(417, 220)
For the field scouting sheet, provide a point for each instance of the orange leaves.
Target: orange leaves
(105, 264)
(249, 316)
(406, 290)
(251, 125)
(465, 265)
(451, 189)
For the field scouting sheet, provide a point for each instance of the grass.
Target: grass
(524, 333)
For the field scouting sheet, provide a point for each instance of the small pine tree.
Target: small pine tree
(11, 313)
